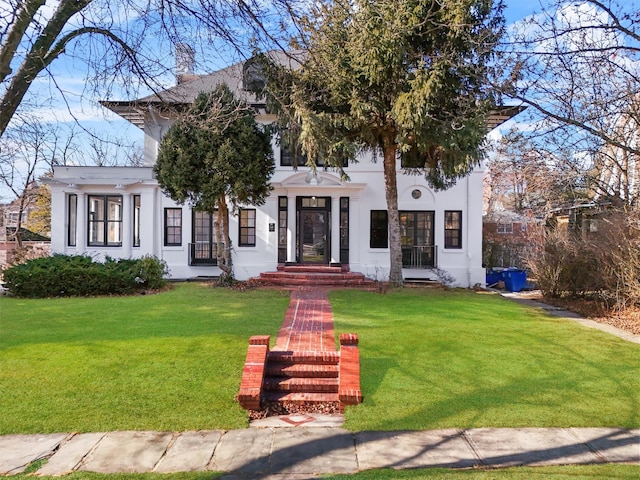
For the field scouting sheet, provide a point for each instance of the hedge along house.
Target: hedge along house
(309, 219)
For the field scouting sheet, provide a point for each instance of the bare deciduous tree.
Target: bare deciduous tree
(577, 65)
(123, 44)
(25, 151)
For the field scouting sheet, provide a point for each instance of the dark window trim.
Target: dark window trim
(450, 233)
(247, 231)
(177, 229)
(344, 230)
(136, 220)
(198, 249)
(72, 220)
(283, 226)
(105, 222)
(379, 232)
(286, 159)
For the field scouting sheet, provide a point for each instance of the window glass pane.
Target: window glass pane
(114, 217)
(72, 220)
(96, 208)
(202, 224)
(453, 229)
(379, 229)
(114, 208)
(247, 227)
(173, 226)
(96, 220)
(105, 220)
(136, 220)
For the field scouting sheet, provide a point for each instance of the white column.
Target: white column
(83, 225)
(358, 239)
(291, 228)
(335, 229)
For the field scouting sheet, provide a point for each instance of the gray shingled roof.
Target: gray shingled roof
(184, 94)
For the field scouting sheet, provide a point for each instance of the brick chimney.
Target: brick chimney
(185, 63)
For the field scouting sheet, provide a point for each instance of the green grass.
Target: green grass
(429, 359)
(570, 472)
(436, 359)
(170, 361)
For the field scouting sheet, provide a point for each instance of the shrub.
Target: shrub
(77, 275)
(603, 264)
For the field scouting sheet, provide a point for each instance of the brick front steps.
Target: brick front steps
(315, 275)
(279, 382)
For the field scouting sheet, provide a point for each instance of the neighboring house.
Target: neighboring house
(619, 176)
(507, 238)
(308, 219)
(9, 215)
(581, 220)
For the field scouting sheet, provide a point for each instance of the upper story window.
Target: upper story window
(287, 159)
(505, 227)
(253, 77)
(105, 221)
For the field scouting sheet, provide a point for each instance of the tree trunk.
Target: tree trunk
(221, 227)
(389, 149)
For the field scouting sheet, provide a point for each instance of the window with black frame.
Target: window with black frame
(203, 246)
(453, 229)
(172, 227)
(104, 221)
(247, 227)
(72, 219)
(417, 238)
(379, 229)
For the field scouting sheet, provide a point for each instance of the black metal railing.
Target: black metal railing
(419, 257)
(202, 254)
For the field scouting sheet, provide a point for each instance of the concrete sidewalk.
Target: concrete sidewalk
(302, 452)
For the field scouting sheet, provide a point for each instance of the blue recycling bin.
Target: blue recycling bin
(493, 277)
(514, 280)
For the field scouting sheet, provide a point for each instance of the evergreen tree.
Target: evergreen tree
(407, 78)
(216, 153)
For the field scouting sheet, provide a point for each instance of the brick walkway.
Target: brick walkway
(304, 371)
(308, 323)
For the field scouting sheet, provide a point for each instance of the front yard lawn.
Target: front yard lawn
(170, 361)
(429, 359)
(438, 359)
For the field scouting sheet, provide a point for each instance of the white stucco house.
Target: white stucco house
(308, 219)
